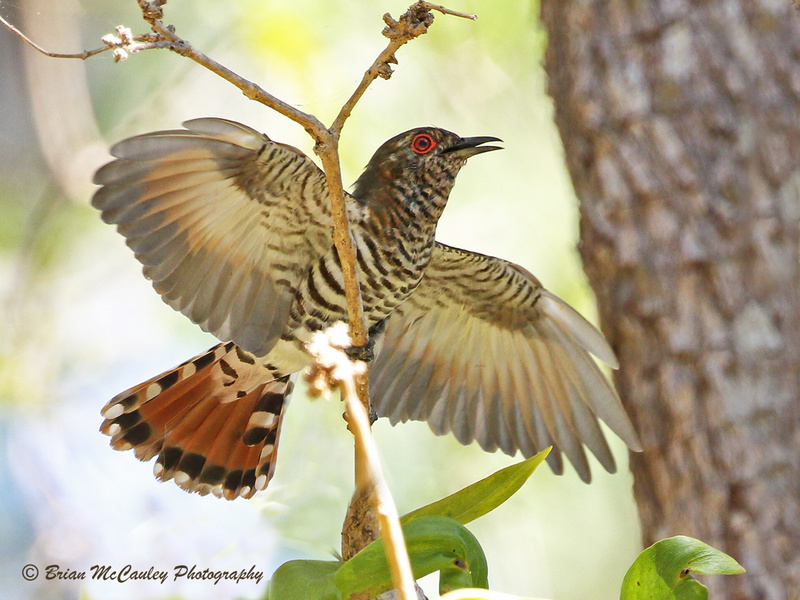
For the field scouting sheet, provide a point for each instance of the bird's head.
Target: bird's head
(418, 165)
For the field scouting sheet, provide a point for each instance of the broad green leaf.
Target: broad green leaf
(304, 580)
(482, 496)
(662, 571)
(434, 543)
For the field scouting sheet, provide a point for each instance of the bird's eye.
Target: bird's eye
(422, 143)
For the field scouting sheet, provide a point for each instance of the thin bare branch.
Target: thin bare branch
(79, 55)
(333, 367)
(152, 13)
(343, 240)
(391, 532)
(447, 11)
(413, 23)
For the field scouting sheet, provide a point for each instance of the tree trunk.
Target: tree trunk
(681, 127)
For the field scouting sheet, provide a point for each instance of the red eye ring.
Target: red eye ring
(423, 143)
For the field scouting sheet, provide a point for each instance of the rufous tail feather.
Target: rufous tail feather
(212, 422)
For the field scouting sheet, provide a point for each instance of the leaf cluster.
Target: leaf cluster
(438, 541)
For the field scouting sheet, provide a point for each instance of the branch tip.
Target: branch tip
(447, 11)
(151, 9)
(389, 20)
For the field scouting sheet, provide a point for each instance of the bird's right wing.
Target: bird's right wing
(224, 221)
(482, 350)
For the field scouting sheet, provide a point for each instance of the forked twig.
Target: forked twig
(447, 11)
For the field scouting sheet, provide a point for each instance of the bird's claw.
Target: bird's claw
(363, 353)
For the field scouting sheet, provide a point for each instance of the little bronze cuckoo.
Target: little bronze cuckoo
(235, 231)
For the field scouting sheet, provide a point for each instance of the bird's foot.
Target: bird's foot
(363, 353)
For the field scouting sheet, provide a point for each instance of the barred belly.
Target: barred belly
(388, 273)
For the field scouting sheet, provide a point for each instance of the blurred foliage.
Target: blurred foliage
(279, 31)
(12, 206)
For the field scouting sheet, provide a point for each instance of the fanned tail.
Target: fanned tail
(212, 422)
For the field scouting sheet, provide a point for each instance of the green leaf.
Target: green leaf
(304, 580)
(662, 571)
(434, 543)
(482, 496)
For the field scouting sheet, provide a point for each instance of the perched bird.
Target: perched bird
(235, 231)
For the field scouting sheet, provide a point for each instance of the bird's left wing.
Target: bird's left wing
(224, 220)
(482, 350)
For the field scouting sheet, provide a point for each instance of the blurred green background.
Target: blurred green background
(79, 323)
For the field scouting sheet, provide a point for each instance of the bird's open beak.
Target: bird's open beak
(466, 147)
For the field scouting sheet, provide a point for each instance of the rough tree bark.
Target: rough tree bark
(681, 126)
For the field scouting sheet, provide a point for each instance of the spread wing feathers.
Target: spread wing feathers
(213, 422)
(224, 221)
(482, 350)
